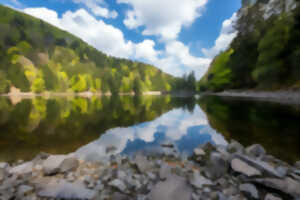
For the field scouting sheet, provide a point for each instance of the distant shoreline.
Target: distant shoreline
(281, 96)
(80, 94)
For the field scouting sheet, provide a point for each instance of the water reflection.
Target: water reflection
(274, 126)
(62, 125)
(181, 127)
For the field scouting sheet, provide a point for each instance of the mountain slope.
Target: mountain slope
(38, 57)
(266, 52)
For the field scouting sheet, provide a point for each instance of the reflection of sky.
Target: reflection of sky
(184, 129)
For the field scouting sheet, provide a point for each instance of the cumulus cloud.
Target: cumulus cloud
(182, 53)
(164, 18)
(96, 6)
(228, 33)
(175, 58)
(145, 50)
(45, 14)
(95, 32)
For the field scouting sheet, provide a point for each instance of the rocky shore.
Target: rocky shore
(212, 172)
(291, 97)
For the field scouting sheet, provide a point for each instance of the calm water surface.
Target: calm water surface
(87, 127)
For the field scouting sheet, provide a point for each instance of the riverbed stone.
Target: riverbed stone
(52, 164)
(235, 147)
(174, 188)
(242, 167)
(142, 163)
(164, 171)
(22, 169)
(3, 174)
(217, 166)
(249, 190)
(4, 165)
(199, 181)
(262, 166)
(286, 185)
(272, 197)
(24, 190)
(119, 185)
(256, 150)
(65, 190)
(199, 152)
(69, 164)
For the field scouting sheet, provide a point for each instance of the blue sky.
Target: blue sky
(177, 36)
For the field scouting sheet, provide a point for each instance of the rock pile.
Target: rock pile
(212, 172)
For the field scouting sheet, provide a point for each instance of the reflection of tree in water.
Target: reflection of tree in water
(274, 126)
(62, 125)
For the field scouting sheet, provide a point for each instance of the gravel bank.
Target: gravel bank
(212, 172)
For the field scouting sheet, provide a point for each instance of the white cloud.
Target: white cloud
(45, 14)
(182, 54)
(228, 33)
(145, 50)
(95, 32)
(175, 58)
(96, 6)
(164, 18)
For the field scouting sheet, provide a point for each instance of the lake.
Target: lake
(127, 124)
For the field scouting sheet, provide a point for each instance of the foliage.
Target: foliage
(265, 53)
(219, 75)
(37, 57)
(187, 82)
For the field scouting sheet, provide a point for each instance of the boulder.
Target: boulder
(199, 181)
(255, 150)
(24, 190)
(119, 185)
(249, 190)
(174, 188)
(69, 164)
(22, 169)
(4, 165)
(263, 167)
(242, 167)
(217, 166)
(198, 152)
(235, 147)
(286, 185)
(65, 190)
(142, 163)
(119, 196)
(53, 163)
(272, 197)
(3, 174)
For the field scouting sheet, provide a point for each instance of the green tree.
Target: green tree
(138, 86)
(271, 65)
(38, 85)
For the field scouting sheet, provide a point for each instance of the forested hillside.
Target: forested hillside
(266, 52)
(38, 57)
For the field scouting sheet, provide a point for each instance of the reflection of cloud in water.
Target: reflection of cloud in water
(186, 130)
